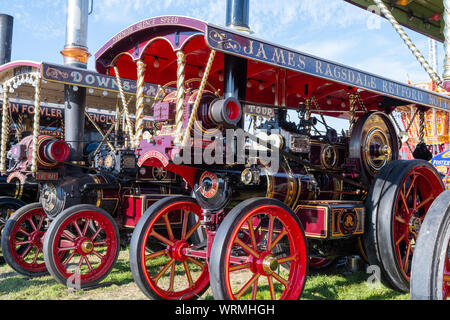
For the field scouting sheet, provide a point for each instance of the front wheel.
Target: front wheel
(259, 252)
(166, 262)
(430, 275)
(22, 239)
(81, 246)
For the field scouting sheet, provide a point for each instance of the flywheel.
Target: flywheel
(374, 143)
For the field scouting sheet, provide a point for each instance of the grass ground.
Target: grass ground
(338, 284)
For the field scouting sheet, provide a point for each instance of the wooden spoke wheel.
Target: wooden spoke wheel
(22, 240)
(430, 275)
(397, 204)
(171, 272)
(246, 260)
(81, 246)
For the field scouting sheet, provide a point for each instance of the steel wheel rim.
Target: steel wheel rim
(259, 258)
(415, 197)
(173, 252)
(89, 238)
(32, 227)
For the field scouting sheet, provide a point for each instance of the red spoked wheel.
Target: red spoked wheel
(398, 203)
(22, 240)
(430, 275)
(259, 252)
(81, 246)
(167, 262)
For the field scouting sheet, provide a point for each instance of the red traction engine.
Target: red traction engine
(94, 212)
(273, 184)
(75, 229)
(322, 207)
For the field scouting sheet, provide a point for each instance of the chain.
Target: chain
(308, 116)
(361, 103)
(187, 133)
(352, 101)
(421, 126)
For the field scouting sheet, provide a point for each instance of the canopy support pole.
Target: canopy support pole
(181, 63)
(37, 116)
(5, 128)
(139, 102)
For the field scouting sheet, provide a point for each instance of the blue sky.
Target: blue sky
(331, 29)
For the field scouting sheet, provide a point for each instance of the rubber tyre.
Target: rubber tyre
(223, 238)
(8, 254)
(137, 243)
(380, 207)
(54, 230)
(431, 252)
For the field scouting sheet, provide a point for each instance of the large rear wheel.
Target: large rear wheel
(259, 252)
(397, 204)
(430, 275)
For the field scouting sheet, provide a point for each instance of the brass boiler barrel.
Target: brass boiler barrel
(27, 192)
(288, 184)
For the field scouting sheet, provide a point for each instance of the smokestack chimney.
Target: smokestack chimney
(238, 15)
(6, 33)
(235, 69)
(75, 54)
(75, 51)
